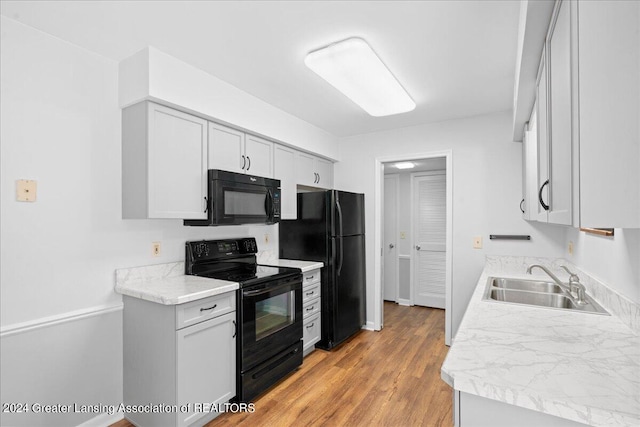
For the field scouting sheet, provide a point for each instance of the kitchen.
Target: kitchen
(62, 321)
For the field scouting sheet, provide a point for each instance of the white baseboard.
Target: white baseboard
(404, 302)
(103, 420)
(369, 326)
(18, 328)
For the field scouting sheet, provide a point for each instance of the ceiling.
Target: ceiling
(455, 58)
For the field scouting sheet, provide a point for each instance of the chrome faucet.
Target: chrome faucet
(574, 283)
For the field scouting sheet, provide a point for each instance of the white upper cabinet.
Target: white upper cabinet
(235, 151)
(164, 168)
(284, 170)
(312, 171)
(559, 116)
(588, 105)
(226, 148)
(259, 155)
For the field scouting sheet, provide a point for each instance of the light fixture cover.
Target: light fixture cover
(352, 67)
(405, 165)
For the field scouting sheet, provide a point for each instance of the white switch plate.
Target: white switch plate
(267, 237)
(403, 235)
(570, 248)
(477, 242)
(26, 190)
(156, 249)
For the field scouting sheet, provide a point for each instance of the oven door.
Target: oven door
(271, 319)
(238, 203)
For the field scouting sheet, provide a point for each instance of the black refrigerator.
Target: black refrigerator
(330, 228)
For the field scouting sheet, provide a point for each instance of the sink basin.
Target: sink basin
(526, 285)
(536, 293)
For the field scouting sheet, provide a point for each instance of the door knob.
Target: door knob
(417, 247)
(391, 246)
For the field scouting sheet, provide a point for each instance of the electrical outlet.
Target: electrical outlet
(26, 190)
(570, 248)
(477, 242)
(403, 235)
(267, 237)
(156, 249)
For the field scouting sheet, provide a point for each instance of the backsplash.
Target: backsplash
(618, 305)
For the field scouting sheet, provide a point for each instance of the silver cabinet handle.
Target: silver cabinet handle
(417, 247)
(391, 246)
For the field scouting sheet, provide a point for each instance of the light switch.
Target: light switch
(477, 242)
(26, 190)
(156, 248)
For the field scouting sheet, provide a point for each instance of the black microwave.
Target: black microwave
(236, 198)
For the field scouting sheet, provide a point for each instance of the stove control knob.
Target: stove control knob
(198, 250)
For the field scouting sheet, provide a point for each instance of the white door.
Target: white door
(430, 216)
(390, 243)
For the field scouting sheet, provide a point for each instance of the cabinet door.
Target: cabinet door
(226, 148)
(530, 167)
(259, 153)
(177, 174)
(560, 140)
(542, 187)
(305, 169)
(206, 365)
(324, 169)
(284, 170)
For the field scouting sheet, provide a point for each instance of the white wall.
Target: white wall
(61, 126)
(486, 193)
(615, 261)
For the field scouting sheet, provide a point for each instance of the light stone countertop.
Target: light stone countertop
(579, 366)
(304, 266)
(167, 284)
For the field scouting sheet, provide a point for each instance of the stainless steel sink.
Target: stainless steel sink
(526, 285)
(536, 293)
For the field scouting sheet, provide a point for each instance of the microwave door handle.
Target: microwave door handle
(271, 213)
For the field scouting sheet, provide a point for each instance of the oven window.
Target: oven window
(273, 314)
(244, 203)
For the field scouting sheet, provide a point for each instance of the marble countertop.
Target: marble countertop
(167, 284)
(304, 266)
(579, 366)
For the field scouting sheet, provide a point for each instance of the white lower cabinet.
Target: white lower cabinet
(311, 310)
(475, 411)
(181, 358)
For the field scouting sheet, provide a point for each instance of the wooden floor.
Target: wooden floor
(386, 378)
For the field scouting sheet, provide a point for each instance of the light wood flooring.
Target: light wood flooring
(386, 378)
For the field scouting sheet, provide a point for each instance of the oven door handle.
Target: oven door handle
(267, 290)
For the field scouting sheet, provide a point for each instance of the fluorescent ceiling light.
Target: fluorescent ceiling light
(353, 68)
(405, 165)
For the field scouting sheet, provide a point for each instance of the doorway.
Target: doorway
(406, 260)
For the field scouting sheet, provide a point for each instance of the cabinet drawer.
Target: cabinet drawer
(311, 308)
(197, 311)
(310, 292)
(311, 331)
(310, 277)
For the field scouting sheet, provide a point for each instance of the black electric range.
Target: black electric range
(269, 311)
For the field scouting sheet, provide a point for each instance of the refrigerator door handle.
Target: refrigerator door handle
(340, 232)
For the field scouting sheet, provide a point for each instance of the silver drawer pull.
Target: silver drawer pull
(207, 309)
(311, 308)
(311, 325)
(310, 293)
